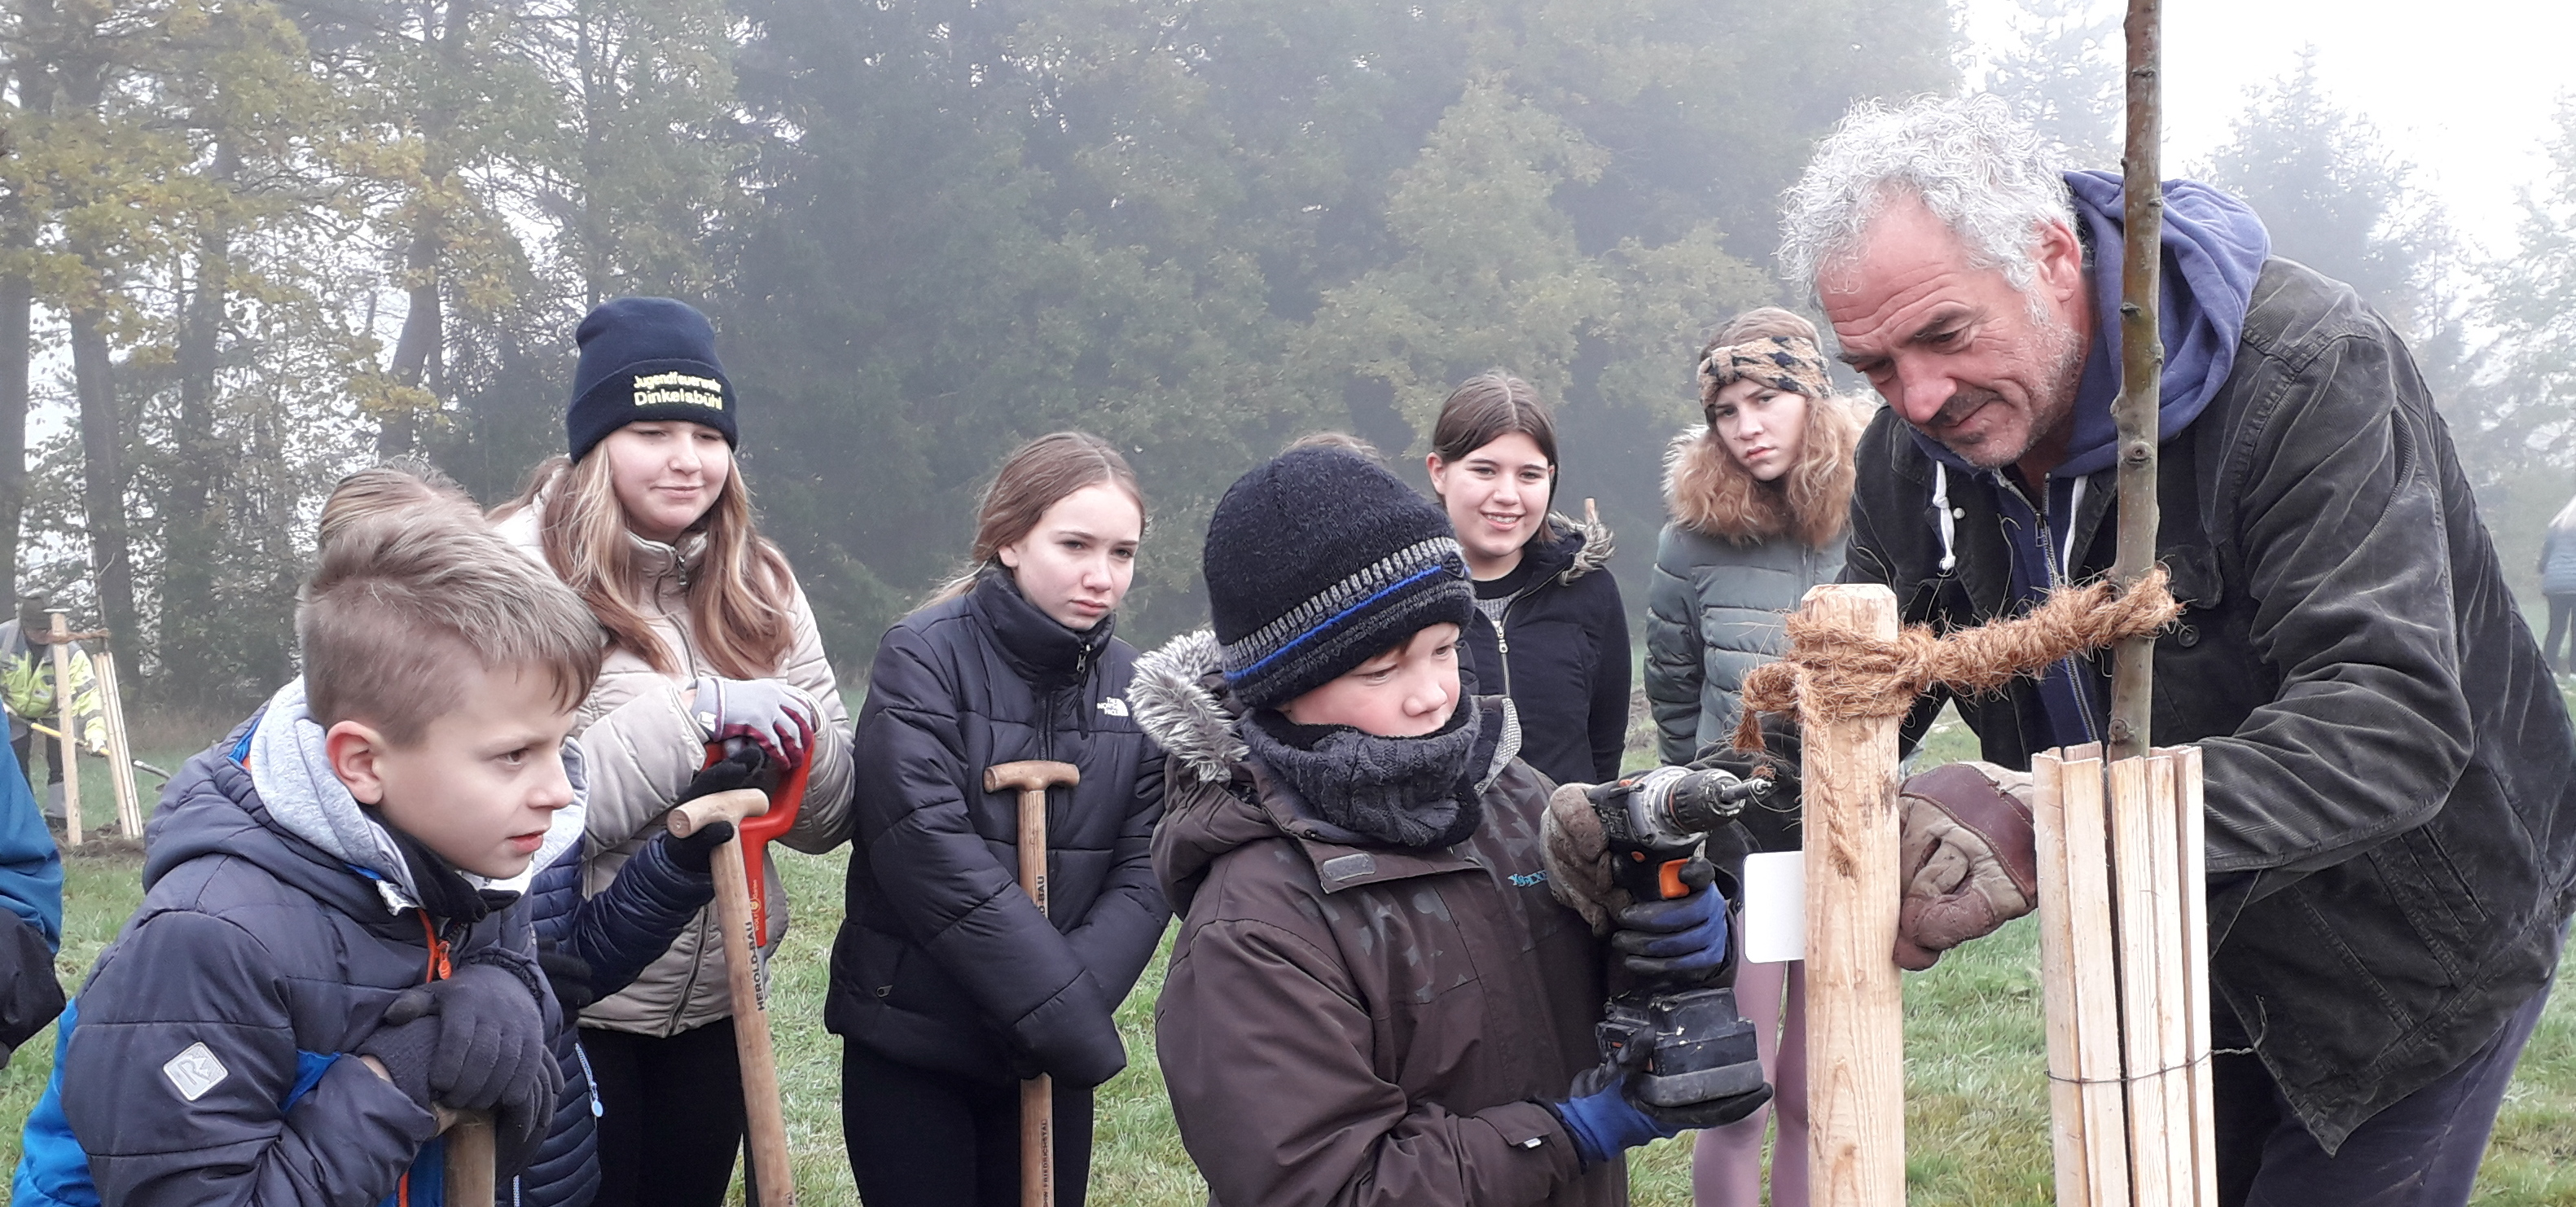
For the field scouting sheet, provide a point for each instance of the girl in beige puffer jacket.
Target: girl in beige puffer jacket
(709, 638)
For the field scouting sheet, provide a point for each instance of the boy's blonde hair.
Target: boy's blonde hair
(408, 485)
(405, 598)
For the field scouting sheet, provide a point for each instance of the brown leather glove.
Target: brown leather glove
(1969, 865)
(1577, 856)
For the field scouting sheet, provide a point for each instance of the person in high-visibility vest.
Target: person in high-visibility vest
(27, 694)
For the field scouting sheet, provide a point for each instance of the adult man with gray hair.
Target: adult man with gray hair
(2389, 765)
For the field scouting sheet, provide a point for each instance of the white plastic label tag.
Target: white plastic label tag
(1775, 907)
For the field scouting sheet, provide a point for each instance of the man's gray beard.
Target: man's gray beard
(2064, 378)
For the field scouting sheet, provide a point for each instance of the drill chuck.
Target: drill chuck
(1676, 805)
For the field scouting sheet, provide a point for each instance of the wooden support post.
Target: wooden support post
(67, 747)
(120, 747)
(1855, 1009)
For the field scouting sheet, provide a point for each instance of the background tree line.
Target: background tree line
(246, 245)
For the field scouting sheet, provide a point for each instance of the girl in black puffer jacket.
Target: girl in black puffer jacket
(1550, 631)
(948, 986)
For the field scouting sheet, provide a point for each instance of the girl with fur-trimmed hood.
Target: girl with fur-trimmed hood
(1760, 499)
(1550, 631)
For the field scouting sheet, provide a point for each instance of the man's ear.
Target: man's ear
(357, 752)
(2060, 256)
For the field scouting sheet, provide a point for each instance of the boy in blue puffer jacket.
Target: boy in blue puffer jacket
(324, 964)
(593, 947)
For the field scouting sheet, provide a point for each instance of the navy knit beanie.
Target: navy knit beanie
(1319, 561)
(646, 358)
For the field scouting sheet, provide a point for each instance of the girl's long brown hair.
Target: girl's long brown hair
(738, 595)
(1706, 488)
(1031, 480)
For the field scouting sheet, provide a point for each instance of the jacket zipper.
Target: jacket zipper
(706, 923)
(1502, 632)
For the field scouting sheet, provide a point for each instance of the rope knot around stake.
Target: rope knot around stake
(1833, 675)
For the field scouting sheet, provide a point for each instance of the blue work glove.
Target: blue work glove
(779, 716)
(1678, 937)
(1599, 1117)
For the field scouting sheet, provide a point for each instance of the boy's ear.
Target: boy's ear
(356, 752)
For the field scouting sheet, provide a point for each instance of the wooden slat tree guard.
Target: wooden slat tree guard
(2123, 960)
(2124, 971)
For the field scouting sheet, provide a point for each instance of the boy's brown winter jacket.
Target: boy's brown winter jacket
(1345, 1023)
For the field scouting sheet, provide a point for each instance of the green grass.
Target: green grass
(1976, 1095)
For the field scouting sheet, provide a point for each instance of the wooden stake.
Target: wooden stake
(1855, 1008)
(120, 747)
(67, 747)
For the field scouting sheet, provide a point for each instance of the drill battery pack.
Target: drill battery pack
(1697, 1047)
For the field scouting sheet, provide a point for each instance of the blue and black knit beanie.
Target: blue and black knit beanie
(646, 358)
(1319, 561)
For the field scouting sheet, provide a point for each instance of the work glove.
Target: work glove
(1577, 857)
(1968, 862)
(1601, 1119)
(779, 716)
(475, 1041)
(696, 853)
(1684, 936)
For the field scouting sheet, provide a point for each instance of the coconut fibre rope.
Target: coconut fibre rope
(1830, 674)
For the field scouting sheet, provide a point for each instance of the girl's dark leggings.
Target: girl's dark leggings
(671, 1122)
(919, 1138)
(2559, 650)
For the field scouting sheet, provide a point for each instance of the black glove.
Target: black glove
(696, 853)
(744, 765)
(1683, 937)
(477, 1042)
(569, 976)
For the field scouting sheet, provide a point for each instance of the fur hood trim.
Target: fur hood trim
(1174, 699)
(1594, 553)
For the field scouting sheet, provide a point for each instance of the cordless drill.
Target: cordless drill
(1681, 1033)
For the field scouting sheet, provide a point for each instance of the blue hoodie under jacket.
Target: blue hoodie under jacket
(2213, 249)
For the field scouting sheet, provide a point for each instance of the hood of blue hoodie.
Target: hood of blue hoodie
(2214, 248)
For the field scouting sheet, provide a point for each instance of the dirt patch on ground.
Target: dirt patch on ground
(103, 848)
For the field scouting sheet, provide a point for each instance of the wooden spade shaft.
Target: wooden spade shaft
(765, 1116)
(1037, 1094)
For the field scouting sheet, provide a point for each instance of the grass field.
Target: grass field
(1976, 1097)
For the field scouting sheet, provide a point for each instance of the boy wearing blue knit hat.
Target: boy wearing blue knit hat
(1374, 995)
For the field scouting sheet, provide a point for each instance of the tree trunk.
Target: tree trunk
(424, 330)
(103, 476)
(35, 82)
(17, 318)
(190, 524)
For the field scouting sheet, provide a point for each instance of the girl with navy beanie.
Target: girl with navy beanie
(710, 639)
(949, 986)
